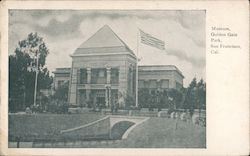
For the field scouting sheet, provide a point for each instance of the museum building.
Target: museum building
(103, 72)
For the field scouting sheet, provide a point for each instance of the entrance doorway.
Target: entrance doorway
(82, 98)
(98, 96)
(100, 102)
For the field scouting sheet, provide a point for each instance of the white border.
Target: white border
(227, 77)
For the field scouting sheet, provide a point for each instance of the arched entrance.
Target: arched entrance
(119, 129)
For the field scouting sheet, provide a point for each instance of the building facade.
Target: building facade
(159, 77)
(103, 72)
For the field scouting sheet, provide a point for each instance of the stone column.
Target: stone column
(78, 76)
(78, 97)
(88, 87)
(123, 85)
(88, 75)
(130, 81)
(108, 75)
(88, 92)
(107, 95)
(73, 82)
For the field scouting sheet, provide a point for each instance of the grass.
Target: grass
(162, 133)
(154, 133)
(39, 125)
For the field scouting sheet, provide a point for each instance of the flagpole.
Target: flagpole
(137, 55)
(35, 89)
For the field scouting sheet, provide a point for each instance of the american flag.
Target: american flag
(151, 41)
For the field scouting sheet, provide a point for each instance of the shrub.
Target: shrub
(129, 102)
(58, 106)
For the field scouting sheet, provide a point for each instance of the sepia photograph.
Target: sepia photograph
(106, 78)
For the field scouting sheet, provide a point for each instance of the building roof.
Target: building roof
(159, 68)
(62, 71)
(104, 40)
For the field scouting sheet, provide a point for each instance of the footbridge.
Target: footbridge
(113, 126)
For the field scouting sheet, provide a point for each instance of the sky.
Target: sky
(65, 30)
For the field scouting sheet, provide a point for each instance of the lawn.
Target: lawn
(154, 133)
(162, 133)
(39, 125)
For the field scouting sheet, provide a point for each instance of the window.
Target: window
(141, 84)
(153, 92)
(153, 84)
(60, 82)
(159, 84)
(165, 83)
(101, 73)
(114, 76)
(146, 84)
(83, 76)
(98, 76)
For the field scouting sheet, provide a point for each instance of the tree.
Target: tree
(143, 98)
(190, 97)
(165, 99)
(16, 85)
(59, 99)
(160, 100)
(201, 95)
(176, 97)
(195, 96)
(129, 102)
(62, 92)
(21, 79)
